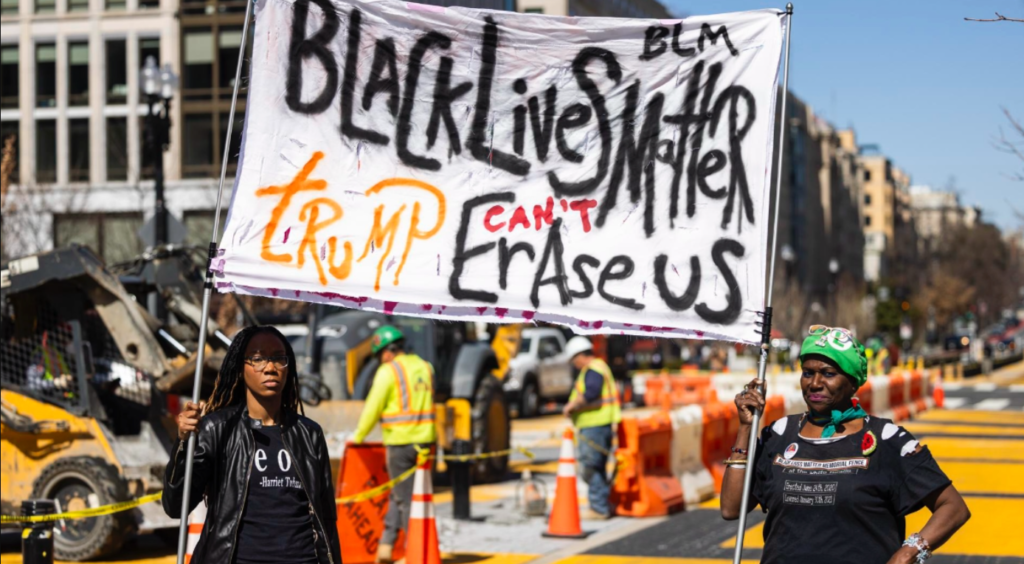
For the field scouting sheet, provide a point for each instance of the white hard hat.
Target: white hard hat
(577, 345)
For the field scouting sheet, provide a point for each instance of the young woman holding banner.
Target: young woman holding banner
(837, 484)
(262, 467)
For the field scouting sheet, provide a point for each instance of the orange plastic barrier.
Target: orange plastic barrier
(898, 401)
(916, 386)
(644, 485)
(720, 427)
(361, 524)
(774, 409)
(674, 390)
(865, 396)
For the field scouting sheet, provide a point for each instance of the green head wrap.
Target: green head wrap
(839, 346)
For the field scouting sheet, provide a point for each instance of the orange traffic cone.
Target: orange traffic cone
(196, 520)
(564, 521)
(421, 546)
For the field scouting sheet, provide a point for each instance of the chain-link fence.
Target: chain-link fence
(50, 364)
(60, 359)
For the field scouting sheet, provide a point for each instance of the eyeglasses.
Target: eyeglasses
(260, 362)
(838, 333)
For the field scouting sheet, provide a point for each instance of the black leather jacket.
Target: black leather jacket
(223, 460)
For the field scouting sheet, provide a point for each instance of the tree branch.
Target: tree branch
(1011, 146)
(999, 18)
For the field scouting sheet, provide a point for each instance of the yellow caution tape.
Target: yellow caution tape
(84, 513)
(355, 498)
(495, 454)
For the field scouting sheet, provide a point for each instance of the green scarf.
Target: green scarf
(837, 418)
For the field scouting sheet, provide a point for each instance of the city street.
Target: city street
(979, 443)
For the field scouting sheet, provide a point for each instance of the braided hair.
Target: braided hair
(229, 389)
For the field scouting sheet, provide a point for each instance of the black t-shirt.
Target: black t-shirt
(835, 501)
(277, 526)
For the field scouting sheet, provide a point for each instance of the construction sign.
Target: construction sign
(607, 174)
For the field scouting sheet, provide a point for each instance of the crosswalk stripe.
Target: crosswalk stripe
(1017, 388)
(954, 403)
(992, 404)
(951, 386)
(989, 387)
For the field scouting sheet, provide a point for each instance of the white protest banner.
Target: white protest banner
(606, 174)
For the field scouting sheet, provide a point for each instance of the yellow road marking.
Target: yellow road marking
(980, 477)
(1003, 417)
(975, 449)
(474, 558)
(992, 431)
(603, 559)
(991, 518)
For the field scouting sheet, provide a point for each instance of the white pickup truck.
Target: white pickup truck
(541, 372)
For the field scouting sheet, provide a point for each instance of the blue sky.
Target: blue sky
(917, 80)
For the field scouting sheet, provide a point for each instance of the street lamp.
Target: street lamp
(158, 85)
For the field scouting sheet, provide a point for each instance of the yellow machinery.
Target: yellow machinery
(81, 422)
(469, 377)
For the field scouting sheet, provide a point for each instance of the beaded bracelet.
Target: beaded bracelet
(742, 451)
(918, 542)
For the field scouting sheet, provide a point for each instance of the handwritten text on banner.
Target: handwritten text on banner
(606, 174)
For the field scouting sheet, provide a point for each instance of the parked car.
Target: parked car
(541, 372)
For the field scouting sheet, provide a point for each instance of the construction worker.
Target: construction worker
(402, 399)
(595, 410)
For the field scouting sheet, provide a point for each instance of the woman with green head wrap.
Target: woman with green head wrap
(836, 482)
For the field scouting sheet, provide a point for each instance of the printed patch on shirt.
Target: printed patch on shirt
(844, 465)
(791, 451)
(809, 493)
(909, 448)
(780, 426)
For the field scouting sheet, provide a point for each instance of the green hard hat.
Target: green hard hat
(384, 336)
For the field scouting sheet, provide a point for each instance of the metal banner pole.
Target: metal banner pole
(208, 288)
(766, 327)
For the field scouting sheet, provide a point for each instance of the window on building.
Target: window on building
(149, 4)
(117, 71)
(8, 7)
(78, 6)
(9, 130)
(9, 76)
(534, 10)
(117, 148)
(199, 226)
(198, 146)
(116, 5)
(867, 221)
(46, 6)
(78, 150)
(114, 237)
(46, 151)
(236, 136)
(867, 175)
(228, 42)
(46, 76)
(149, 47)
(867, 199)
(197, 77)
(78, 74)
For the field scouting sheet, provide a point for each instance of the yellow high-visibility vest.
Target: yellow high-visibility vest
(402, 397)
(610, 411)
